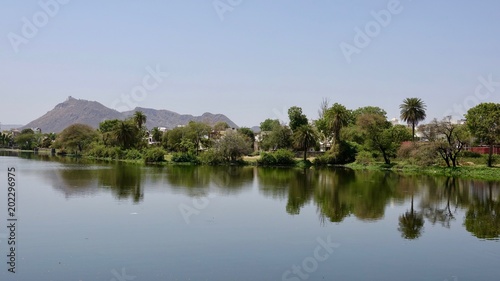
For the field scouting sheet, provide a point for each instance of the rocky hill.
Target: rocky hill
(92, 113)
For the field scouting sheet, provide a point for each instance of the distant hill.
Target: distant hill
(7, 127)
(92, 113)
(170, 119)
(74, 111)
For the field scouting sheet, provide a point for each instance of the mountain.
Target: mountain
(74, 111)
(170, 119)
(92, 113)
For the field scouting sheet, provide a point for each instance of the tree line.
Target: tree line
(344, 135)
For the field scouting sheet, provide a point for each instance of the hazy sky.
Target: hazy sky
(250, 60)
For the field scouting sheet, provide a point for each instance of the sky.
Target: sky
(249, 60)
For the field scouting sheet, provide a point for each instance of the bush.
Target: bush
(342, 153)
(281, 157)
(211, 157)
(364, 158)
(154, 154)
(420, 154)
(471, 154)
(184, 157)
(133, 154)
(102, 151)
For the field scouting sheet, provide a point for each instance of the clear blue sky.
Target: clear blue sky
(262, 58)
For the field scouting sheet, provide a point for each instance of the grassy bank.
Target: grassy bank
(468, 170)
(471, 172)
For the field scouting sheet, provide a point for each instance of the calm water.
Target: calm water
(116, 222)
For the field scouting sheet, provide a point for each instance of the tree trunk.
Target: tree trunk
(413, 131)
(305, 154)
(490, 156)
(386, 158)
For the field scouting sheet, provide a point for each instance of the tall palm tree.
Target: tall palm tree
(412, 112)
(139, 119)
(337, 118)
(125, 134)
(156, 134)
(305, 137)
(411, 223)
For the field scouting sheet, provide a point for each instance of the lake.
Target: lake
(84, 220)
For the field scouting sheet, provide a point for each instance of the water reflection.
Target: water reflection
(411, 223)
(336, 193)
(482, 218)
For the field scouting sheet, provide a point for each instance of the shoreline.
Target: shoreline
(479, 172)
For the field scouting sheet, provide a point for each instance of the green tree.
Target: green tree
(139, 119)
(305, 137)
(76, 137)
(108, 128)
(26, 139)
(233, 146)
(197, 133)
(412, 111)
(126, 134)
(455, 138)
(337, 117)
(483, 121)
(156, 134)
(249, 134)
(297, 118)
(368, 109)
(173, 138)
(269, 124)
(379, 134)
(221, 126)
(279, 137)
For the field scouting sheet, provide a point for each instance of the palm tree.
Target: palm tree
(411, 223)
(125, 134)
(337, 118)
(139, 119)
(305, 137)
(156, 134)
(412, 112)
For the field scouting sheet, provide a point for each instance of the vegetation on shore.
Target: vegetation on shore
(360, 139)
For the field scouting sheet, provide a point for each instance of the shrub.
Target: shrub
(471, 154)
(184, 157)
(154, 154)
(211, 157)
(266, 159)
(284, 157)
(420, 154)
(364, 158)
(342, 153)
(133, 154)
(281, 157)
